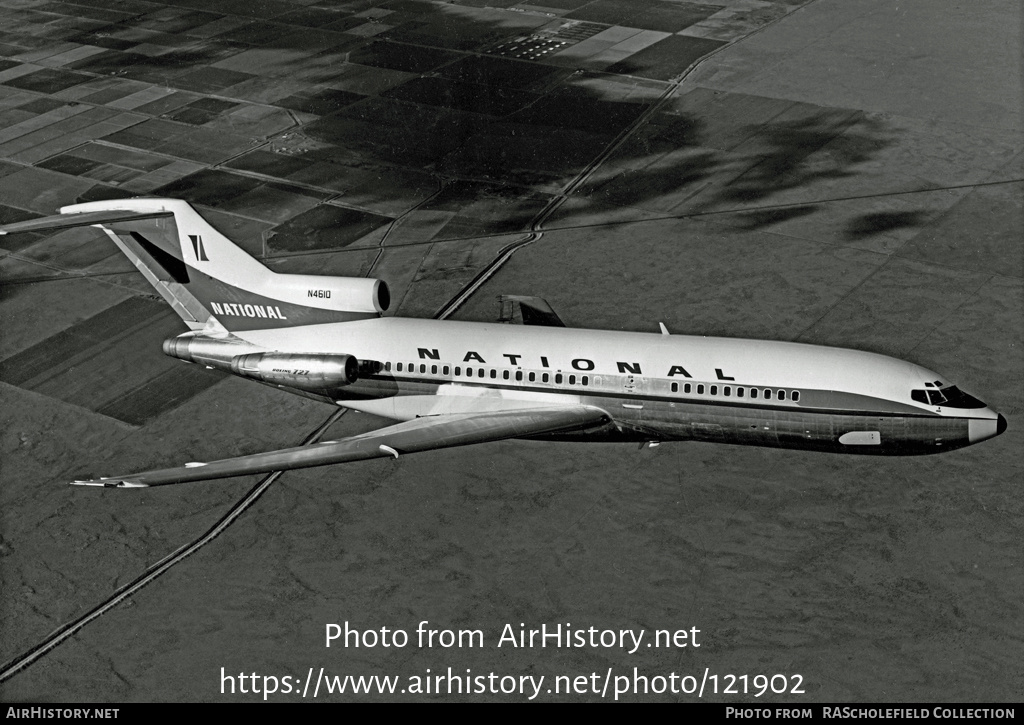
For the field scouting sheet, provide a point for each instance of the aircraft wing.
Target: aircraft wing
(421, 434)
(533, 310)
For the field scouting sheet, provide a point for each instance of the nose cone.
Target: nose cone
(985, 428)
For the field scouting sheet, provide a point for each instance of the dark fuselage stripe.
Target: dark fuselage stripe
(596, 393)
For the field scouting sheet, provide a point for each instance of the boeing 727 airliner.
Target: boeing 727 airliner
(454, 383)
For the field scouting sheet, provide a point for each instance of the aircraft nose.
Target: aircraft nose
(985, 428)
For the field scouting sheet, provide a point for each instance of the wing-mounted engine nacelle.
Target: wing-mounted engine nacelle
(314, 373)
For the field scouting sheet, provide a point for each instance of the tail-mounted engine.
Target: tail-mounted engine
(320, 373)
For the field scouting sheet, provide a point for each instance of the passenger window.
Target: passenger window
(519, 375)
(586, 379)
(481, 372)
(446, 370)
(687, 388)
(458, 370)
(387, 366)
(398, 367)
(700, 389)
(469, 372)
(494, 374)
(533, 377)
(572, 380)
(767, 394)
(739, 392)
(505, 374)
(544, 378)
(558, 378)
(782, 395)
(675, 387)
(714, 390)
(796, 395)
(727, 391)
(433, 369)
(423, 368)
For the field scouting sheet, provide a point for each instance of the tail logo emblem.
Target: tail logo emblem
(197, 246)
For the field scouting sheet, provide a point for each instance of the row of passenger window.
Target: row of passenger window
(492, 373)
(558, 379)
(728, 390)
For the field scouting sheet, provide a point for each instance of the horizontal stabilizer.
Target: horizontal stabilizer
(83, 219)
(421, 434)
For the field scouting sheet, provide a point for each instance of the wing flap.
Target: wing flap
(422, 434)
(81, 219)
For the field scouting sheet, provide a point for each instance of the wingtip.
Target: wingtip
(109, 483)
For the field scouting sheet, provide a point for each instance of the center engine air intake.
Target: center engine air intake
(310, 372)
(349, 294)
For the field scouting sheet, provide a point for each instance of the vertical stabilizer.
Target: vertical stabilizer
(209, 281)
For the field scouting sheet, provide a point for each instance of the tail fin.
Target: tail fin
(209, 280)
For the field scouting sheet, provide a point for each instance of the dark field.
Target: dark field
(87, 366)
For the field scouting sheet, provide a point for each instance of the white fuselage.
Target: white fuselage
(654, 386)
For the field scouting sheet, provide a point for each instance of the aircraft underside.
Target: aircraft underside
(645, 420)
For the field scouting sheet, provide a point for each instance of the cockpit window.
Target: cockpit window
(951, 397)
(956, 398)
(928, 397)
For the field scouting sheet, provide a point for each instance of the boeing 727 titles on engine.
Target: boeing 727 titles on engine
(455, 383)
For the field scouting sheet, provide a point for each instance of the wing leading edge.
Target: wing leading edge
(421, 434)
